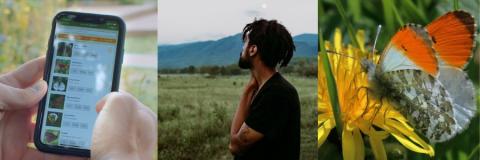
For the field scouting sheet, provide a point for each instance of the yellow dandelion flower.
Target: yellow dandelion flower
(360, 111)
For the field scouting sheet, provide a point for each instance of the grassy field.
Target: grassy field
(195, 113)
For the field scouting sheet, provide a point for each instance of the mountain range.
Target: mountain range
(224, 51)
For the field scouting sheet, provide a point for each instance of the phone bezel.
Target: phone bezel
(50, 51)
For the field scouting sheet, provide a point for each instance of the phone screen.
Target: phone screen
(81, 73)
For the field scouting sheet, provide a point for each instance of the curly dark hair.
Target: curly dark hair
(274, 42)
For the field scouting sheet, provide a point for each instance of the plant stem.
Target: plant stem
(455, 5)
(474, 151)
(332, 86)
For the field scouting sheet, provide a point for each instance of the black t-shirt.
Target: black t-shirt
(275, 112)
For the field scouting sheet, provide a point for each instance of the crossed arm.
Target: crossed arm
(241, 135)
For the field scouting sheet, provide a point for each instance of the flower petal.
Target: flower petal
(337, 40)
(360, 36)
(378, 148)
(324, 129)
(348, 145)
(352, 145)
(420, 146)
(407, 137)
(360, 149)
(411, 146)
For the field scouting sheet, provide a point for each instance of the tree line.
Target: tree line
(306, 67)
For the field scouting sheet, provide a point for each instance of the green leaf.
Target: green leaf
(411, 8)
(332, 86)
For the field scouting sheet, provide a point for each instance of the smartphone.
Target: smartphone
(84, 59)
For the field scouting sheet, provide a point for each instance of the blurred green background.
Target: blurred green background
(367, 15)
(25, 28)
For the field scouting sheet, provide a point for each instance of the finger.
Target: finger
(12, 98)
(25, 75)
(126, 124)
(32, 122)
(37, 155)
(114, 127)
(146, 132)
(147, 113)
(101, 102)
(143, 121)
(116, 99)
(61, 157)
(15, 133)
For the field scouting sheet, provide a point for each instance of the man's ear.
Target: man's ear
(252, 50)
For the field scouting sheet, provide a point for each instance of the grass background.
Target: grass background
(195, 112)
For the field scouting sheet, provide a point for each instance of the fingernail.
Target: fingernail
(38, 86)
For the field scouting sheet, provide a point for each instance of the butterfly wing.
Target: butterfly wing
(408, 69)
(424, 101)
(410, 48)
(462, 91)
(453, 37)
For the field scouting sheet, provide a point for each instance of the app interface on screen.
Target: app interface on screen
(81, 74)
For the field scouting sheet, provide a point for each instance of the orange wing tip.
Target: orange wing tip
(453, 36)
(415, 43)
(467, 19)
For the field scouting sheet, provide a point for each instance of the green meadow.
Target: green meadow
(195, 112)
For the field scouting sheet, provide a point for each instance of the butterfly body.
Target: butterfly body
(420, 73)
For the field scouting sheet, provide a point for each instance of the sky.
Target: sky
(183, 21)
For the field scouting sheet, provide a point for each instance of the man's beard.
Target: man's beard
(244, 63)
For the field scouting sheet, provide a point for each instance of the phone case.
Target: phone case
(115, 84)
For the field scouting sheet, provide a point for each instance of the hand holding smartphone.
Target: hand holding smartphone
(84, 58)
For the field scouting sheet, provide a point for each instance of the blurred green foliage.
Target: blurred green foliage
(141, 44)
(24, 30)
(141, 83)
(367, 15)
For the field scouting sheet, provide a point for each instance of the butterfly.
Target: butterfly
(421, 73)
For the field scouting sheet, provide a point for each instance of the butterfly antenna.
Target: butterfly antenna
(379, 28)
(340, 54)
